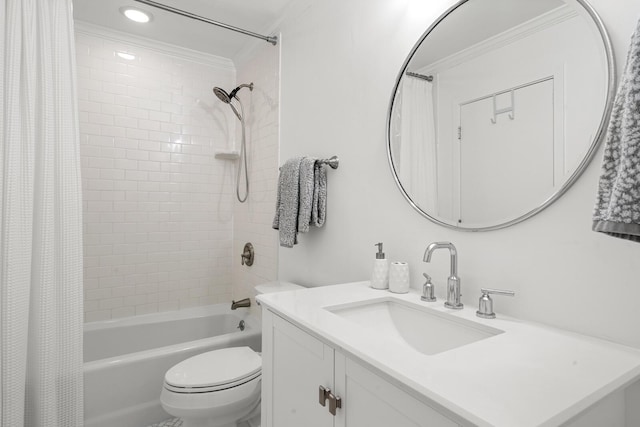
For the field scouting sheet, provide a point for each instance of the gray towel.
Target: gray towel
(301, 199)
(307, 185)
(286, 217)
(617, 210)
(319, 207)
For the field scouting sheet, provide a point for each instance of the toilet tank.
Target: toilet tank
(270, 287)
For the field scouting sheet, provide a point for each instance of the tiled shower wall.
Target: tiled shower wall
(253, 219)
(158, 207)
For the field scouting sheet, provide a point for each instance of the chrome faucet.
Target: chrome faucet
(242, 303)
(453, 282)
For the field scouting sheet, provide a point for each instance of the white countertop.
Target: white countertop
(531, 375)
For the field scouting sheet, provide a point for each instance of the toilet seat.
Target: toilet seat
(202, 373)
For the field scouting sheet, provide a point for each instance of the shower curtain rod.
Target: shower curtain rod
(419, 76)
(271, 39)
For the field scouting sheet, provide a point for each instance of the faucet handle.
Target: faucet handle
(485, 303)
(427, 289)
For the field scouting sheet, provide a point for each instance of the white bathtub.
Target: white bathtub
(126, 359)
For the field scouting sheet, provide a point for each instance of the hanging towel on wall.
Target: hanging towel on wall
(313, 194)
(617, 210)
(307, 185)
(301, 198)
(319, 206)
(286, 217)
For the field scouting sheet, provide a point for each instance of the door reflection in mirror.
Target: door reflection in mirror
(547, 66)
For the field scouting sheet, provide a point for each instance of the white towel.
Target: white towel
(617, 210)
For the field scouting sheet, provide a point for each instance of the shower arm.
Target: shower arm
(270, 39)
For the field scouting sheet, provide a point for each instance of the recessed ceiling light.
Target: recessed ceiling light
(136, 15)
(126, 55)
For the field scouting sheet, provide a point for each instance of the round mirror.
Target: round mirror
(498, 109)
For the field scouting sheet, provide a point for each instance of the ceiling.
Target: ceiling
(475, 21)
(258, 16)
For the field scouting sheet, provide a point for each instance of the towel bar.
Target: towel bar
(333, 161)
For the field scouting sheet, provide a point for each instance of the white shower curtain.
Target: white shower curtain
(40, 218)
(418, 171)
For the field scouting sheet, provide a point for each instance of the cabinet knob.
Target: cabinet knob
(334, 403)
(323, 395)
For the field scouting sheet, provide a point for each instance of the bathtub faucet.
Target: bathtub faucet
(242, 303)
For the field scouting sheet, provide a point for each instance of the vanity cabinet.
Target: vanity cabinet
(300, 371)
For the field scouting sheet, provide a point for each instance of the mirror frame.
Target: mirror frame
(599, 135)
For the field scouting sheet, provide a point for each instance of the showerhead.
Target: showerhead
(226, 97)
(222, 95)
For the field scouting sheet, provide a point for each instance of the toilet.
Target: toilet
(219, 388)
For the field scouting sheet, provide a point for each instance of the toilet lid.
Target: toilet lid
(214, 368)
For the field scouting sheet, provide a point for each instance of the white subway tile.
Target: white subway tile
(127, 122)
(97, 315)
(136, 133)
(149, 124)
(150, 104)
(97, 294)
(146, 308)
(115, 131)
(111, 174)
(126, 101)
(149, 166)
(136, 175)
(148, 216)
(122, 312)
(159, 136)
(135, 300)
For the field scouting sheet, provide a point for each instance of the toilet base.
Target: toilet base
(205, 422)
(214, 409)
(252, 421)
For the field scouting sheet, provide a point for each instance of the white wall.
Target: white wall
(339, 64)
(253, 219)
(158, 207)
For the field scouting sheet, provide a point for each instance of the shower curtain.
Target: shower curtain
(418, 171)
(40, 218)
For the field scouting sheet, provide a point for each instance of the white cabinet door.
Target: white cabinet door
(295, 365)
(370, 401)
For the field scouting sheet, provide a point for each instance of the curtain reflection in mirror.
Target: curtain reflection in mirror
(417, 169)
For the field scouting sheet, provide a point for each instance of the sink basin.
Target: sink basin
(425, 330)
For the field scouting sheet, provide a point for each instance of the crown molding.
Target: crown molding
(542, 22)
(179, 52)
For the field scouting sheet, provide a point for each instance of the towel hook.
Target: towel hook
(511, 110)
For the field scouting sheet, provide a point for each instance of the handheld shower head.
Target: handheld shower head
(227, 97)
(222, 95)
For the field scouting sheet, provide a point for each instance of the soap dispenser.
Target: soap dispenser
(380, 275)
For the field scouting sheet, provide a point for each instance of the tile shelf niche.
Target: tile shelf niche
(227, 155)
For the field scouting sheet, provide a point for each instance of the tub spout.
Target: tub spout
(242, 303)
